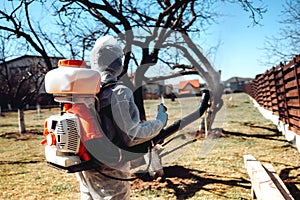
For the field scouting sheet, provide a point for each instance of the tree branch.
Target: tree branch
(178, 74)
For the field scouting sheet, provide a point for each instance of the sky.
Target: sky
(240, 52)
(240, 44)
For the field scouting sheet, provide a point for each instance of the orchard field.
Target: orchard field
(209, 168)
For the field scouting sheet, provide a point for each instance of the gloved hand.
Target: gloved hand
(162, 115)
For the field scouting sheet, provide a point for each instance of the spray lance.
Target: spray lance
(73, 137)
(177, 125)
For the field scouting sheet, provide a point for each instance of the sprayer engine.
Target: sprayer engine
(62, 139)
(63, 132)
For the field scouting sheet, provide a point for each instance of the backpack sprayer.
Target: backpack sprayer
(70, 136)
(74, 87)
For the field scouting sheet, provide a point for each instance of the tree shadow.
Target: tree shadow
(274, 136)
(19, 162)
(14, 174)
(272, 129)
(177, 148)
(29, 135)
(187, 182)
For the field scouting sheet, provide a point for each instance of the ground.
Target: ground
(194, 167)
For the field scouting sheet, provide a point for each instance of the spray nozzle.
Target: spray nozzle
(162, 107)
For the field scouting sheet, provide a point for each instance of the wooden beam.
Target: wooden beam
(277, 181)
(264, 184)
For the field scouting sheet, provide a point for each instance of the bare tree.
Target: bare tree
(21, 34)
(20, 81)
(155, 28)
(286, 43)
(15, 18)
(149, 30)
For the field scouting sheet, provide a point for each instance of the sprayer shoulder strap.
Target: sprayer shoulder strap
(108, 85)
(104, 87)
(105, 112)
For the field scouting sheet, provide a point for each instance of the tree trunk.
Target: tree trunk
(38, 111)
(138, 92)
(139, 101)
(21, 119)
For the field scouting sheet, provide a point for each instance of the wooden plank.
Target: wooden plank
(263, 187)
(291, 84)
(277, 180)
(292, 93)
(298, 70)
(289, 74)
(294, 112)
(293, 103)
(288, 66)
(296, 130)
(295, 122)
(276, 113)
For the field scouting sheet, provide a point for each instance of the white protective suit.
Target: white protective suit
(126, 126)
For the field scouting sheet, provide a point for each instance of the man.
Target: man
(120, 123)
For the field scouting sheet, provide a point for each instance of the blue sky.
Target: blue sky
(240, 52)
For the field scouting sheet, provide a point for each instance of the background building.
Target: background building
(21, 80)
(235, 84)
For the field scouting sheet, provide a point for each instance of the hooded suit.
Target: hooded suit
(121, 125)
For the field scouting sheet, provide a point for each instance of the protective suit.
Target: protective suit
(120, 121)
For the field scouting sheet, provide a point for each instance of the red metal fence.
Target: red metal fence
(277, 90)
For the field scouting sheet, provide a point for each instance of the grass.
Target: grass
(205, 169)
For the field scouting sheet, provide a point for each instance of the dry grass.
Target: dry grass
(205, 169)
(24, 174)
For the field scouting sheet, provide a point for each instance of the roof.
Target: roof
(29, 56)
(194, 83)
(237, 79)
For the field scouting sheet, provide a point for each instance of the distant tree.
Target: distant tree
(285, 44)
(22, 35)
(20, 83)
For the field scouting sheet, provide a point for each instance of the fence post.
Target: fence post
(285, 113)
(268, 90)
(273, 92)
(265, 90)
(260, 90)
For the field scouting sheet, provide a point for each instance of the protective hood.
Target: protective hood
(106, 57)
